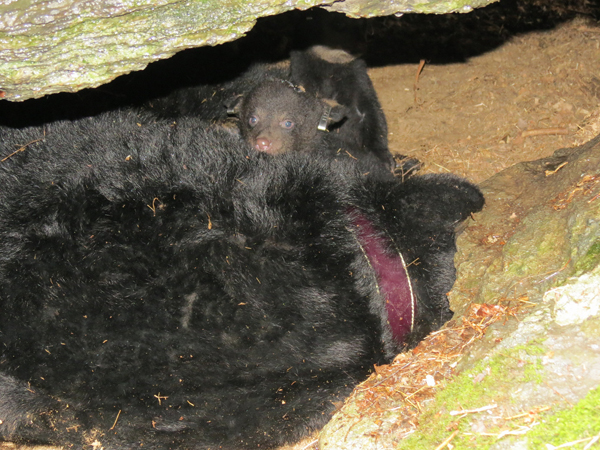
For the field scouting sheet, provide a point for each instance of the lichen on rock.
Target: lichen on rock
(65, 46)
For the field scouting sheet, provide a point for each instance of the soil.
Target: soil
(473, 118)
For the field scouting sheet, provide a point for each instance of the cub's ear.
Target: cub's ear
(338, 113)
(333, 113)
(234, 105)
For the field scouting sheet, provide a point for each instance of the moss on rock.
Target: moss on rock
(50, 47)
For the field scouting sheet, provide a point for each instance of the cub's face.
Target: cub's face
(276, 117)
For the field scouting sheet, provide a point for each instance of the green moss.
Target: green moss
(503, 374)
(590, 260)
(582, 421)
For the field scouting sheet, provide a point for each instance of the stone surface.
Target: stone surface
(541, 225)
(50, 46)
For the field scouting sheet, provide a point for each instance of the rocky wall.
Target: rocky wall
(49, 46)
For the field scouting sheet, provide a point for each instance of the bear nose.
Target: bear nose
(262, 144)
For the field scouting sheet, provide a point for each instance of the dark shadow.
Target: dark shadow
(452, 38)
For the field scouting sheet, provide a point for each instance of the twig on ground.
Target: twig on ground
(571, 444)
(416, 85)
(470, 411)
(592, 442)
(447, 441)
(552, 172)
(544, 132)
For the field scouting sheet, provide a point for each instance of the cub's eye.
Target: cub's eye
(253, 121)
(287, 124)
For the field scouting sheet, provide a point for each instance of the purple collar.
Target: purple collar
(392, 279)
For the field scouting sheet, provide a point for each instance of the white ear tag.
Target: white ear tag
(324, 118)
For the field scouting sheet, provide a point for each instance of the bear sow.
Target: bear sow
(166, 286)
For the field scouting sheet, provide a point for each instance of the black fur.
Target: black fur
(165, 286)
(278, 117)
(326, 87)
(334, 74)
(209, 101)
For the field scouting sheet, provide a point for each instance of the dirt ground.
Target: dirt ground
(521, 101)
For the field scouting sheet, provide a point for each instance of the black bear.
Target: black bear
(277, 116)
(327, 105)
(167, 286)
(209, 101)
(337, 75)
